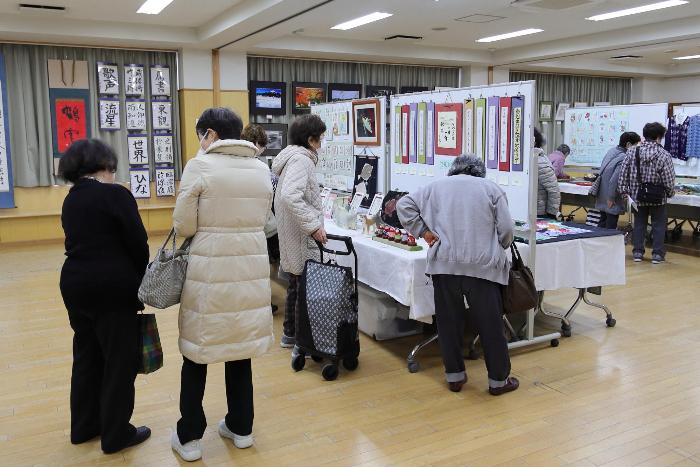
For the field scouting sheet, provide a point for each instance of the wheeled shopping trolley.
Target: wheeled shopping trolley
(326, 313)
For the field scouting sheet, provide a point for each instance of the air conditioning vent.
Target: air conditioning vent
(403, 37)
(35, 8)
(479, 18)
(552, 5)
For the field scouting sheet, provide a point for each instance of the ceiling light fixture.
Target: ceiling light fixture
(153, 7)
(362, 20)
(510, 35)
(637, 10)
(687, 57)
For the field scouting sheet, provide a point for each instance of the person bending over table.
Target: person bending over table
(468, 262)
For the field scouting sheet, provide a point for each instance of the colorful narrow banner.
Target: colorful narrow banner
(420, 132)
(468, 139)
(492, 133)
(430, 135)
(406, 132)
(398, 135)
(480, 128)
(504, 136)
(518, 110)
(7, 196)
(412, 137)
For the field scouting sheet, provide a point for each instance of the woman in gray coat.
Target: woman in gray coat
(609, 201)
(548, 193)
(298, 209)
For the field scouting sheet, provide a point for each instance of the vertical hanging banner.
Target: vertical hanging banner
(133, 80)
(479, 127)
(165, 181)
(110, 115)
(504, 136)
(406, 134)
(398, 135)
(413, 116)
(161, 114)
(468, 126)
(136, 114)
(140, 182)
(163, 148)
(492, 133)
(7, 197)
(138, 149)
(420, 132)
(518, 109)
(430, 135)
(448, 129)
(107, 79)
(160, 80)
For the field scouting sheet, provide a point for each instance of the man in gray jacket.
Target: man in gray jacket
(466, 221)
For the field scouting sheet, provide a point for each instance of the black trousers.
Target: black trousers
(239, 397)
(608, 221)
(485, 307)
(290, 306)
(105, 358)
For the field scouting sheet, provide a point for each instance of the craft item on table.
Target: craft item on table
(140, 182)
(165, 181)
(328, 205)
(404, 237)
(376, 205)
(420, 132)
(162, 115)
(412, 136)
(398, 135)
(368, 224)
(136, 114)
(430, 135)
(366, 175)
(367, 122)
(480, 128)
(163, 148)
(6, 188)
(547, 229)
(517, 130)
(110, 114)
(134, 84)
(388, 236)
(492, 135)
(160, 80)
(138, 149)
(356, 201)
(107, 78)
(411, 240)
(504, 133)
(406, 132)
(468, 140)
(448, 131)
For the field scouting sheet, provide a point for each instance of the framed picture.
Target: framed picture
(307, 94)
(140, 182)
(268, 97)
(138, 149)
(110, 115)
(343, 92)
(410, 89)
(546, 110)
(448, 129)
(276, 138)
(561, 111)
(160, 80)
(162, 115)
(165, 181)
(367, 130)
(108, 78)
(378, 91)
(163, 148)
(578, 105)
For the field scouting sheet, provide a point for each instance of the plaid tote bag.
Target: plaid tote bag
(150, 353)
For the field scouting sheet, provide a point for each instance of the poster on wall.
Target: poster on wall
(134, 84)
(160, 80)
(165, 181)
(107, 79)
(368, 122)
(6, 189)
(136, 114)
(138, 149)
(161, 114)
(448, 129)
(163, 148)
(366, 175)
(110, 114)
(140, 183)
(518, 110)
(492, 133)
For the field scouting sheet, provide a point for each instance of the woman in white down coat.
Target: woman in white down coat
(223, 202)
(298, 209)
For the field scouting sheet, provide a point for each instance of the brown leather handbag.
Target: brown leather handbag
(520, 294)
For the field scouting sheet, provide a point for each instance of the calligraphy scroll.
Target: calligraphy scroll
(135, 114)
(413, 116)
(398, 135)
(110, 115)
(430, 135)
(107, 78)
(504, 140)
(406, 132)
(161, 115)
(138, 149)
(133, 80)
(448, 129)
(420, 132)
(140, 183)
(518, 111)
(6, 188)
(468, 126)
(492, 133)
(163, 148)
(165, 181)
(479, 128)
(160, 80)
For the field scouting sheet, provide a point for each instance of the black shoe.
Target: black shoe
(84, 439)
(512, 384)
(141, 435)
(456, 386)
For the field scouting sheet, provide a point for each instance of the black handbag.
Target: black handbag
(648, 193)
(520, 294)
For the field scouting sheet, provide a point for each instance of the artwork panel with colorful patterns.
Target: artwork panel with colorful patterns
(398, 134)
(412, 133)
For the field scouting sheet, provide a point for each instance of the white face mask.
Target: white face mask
(201, 149)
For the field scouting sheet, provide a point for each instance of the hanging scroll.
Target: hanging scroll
(110, 118)
(504, 140)
(69, 104)
(133, 80)
(479, 128)
(160, 80)
(448, 131)
(165, 181)
(107, 78)
(412, 133)
(430, 135)
(140, 182)
(398, 135)
(136, 114)
(420, 132)
(163, 148)
(138, 149)
(518, 109)
(492, 133)
(468, 126)
(406, 133)
(161, 114)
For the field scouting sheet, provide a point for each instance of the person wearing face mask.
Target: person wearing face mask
(609, 201)
(298, 209)
(106, 257)
(223, 203)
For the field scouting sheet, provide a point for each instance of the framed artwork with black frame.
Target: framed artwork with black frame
(268, 97)
(379, 91)
(344, 92)
(304, 95)
(410, 89)
(276, 138)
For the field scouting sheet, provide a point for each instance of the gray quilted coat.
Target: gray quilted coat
(298, 207)
(548, 194)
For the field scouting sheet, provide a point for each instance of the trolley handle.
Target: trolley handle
(348, 245)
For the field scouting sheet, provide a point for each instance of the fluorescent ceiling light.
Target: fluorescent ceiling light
(510, 35)
(370, 18)
(637, 10)
(687, 57)
(153, 7)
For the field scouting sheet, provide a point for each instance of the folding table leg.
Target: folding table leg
(413, 365)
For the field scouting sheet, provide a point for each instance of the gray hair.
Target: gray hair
(468, 164)
(564, 149)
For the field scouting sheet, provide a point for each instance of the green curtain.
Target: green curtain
(30, 117)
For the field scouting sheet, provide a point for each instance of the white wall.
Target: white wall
(234, 71)
(195, 69)
(652, 90)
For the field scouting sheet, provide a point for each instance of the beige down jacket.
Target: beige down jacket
(223, 202)
(297, 207)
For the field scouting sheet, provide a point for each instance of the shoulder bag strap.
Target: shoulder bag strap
(639, 169)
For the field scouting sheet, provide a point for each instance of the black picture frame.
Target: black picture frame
(410, 89)
(379, 91)
(297, 107)
(347, 88)
(257, 97)
(276, 138)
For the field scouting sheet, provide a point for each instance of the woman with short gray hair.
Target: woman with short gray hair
(468, 262)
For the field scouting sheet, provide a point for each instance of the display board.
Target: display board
(7, 199)
(500, 121)
(590, 132)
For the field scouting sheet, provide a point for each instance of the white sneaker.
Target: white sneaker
(190, 451)
(241, 442)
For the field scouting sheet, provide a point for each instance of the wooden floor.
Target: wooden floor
(614, 397)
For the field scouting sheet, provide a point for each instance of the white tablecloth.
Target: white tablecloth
(579, 263)
(681, 200)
